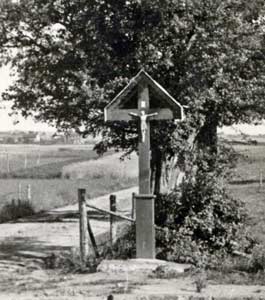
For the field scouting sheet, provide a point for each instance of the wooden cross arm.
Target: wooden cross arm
(126, 114)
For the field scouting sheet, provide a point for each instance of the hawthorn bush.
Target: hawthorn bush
(201, 222)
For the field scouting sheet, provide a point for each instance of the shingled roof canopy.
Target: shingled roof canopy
(127, 100)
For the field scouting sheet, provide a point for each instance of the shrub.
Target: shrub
(70, 262)
(15, 210)
(202, 222)
(257, 259)
(123, 248)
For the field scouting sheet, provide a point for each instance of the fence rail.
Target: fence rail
(112, 213)
(85, 227)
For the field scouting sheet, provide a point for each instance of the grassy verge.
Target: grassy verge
(48, 194)
(98, 177)
(108, 168)
(251, 163)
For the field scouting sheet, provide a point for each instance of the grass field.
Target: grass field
(247, 188)
(251, 163)
(108, 168)
(64, 169)
(33, 161)
(254, 198)
(47, 194)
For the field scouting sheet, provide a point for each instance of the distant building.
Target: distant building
(31, 138)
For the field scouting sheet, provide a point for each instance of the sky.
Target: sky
(7, 122)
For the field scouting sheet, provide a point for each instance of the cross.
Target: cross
(120, 110)
(145, 215)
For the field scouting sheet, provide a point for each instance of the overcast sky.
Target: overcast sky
(7, 122)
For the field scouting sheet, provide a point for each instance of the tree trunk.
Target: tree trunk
(156, 170)
(166, 174)
(207, 140)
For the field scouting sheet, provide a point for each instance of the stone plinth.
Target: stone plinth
(146, 266)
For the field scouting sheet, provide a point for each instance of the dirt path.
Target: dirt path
(51, 285)
(46, 233)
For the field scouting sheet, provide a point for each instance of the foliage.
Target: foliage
(124, 247)
(71, 57)
(257, 260)
(202, 218)
(15, 210)
(70, 262)
(200, 281)
(205, 222)
(201, 225)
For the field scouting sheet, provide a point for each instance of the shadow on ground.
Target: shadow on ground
(15, 247)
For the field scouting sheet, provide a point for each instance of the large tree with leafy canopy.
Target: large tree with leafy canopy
(71, 57)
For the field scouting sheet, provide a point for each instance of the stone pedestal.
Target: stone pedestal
(146, 266)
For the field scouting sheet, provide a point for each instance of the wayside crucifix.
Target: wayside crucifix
(134, 102)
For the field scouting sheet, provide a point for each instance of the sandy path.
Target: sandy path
(33, 235)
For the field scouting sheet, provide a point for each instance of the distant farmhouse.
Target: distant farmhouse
(43, 138)
(23, 137)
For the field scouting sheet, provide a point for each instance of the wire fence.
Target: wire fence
(22, 192)
(10, 162)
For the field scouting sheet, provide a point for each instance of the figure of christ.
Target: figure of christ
(143, 121)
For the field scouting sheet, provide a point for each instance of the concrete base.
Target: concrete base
(146, 266)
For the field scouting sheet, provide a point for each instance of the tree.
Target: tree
(71, 57)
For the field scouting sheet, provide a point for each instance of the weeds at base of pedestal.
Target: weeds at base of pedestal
(200, 280)
(70, 262)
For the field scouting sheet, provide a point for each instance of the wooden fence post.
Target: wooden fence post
(19, 191)
(83, 226)
(260, 180)
(92, 238)
(133, 205)
(38, 160)
(112, 199)
(25, 161)
(7, 163)
(29, 192)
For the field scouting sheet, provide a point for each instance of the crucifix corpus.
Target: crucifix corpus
(143, 122)
(144, 100)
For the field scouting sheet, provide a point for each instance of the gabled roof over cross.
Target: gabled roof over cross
(127, 101)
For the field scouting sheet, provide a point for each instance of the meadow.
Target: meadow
(248, 185)
(60, 172)
(40, 161)
(109, 167)
(251, 164)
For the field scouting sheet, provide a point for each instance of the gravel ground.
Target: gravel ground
(22, 276)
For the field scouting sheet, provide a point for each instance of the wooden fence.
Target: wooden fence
(86, 231)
